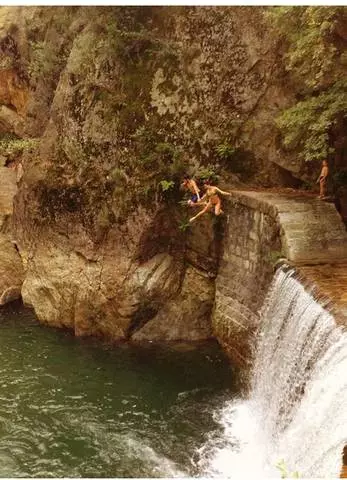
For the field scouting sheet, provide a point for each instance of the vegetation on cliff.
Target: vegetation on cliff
(316, 60)
(126, 100)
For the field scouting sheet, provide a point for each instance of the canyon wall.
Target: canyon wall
(107, 108)
(104, 109)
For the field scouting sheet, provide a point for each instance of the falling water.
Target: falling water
(296, 413)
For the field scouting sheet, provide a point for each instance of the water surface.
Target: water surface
(81, 408)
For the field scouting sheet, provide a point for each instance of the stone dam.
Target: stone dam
(262, 229)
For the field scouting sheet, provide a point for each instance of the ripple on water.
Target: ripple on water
(77, 408)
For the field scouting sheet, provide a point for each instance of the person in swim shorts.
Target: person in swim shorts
(190, 184)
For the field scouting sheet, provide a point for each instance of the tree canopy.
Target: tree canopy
(315, 40)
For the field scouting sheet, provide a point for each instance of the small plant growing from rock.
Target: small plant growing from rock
(166, 185)
(184, 225)
(208, 173)
(225, 151)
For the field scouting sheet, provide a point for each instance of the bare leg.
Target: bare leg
(218, 208)
(204, 210)
(322, 188)
(196, 204)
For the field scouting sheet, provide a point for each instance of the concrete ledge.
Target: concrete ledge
(311, 230)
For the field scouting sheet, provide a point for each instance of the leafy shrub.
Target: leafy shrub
(225, 151)
(307, 124)
(316, 63)
(208, 172)
(184, 225)
(11, 145)
(166, 185)
(312, 54)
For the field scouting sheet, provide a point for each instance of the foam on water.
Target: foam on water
(297, 408)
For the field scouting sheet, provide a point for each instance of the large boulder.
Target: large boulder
(186, 316)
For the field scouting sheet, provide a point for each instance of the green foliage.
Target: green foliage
(313, 53)
(11, 145)
(166, 185)
(225, 151)
(317, 64)
(184, 225)
(306, 126)
(208, 172)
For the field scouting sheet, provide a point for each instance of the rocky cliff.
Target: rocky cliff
(106, 108)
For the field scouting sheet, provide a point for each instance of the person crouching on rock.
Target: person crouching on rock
(190, 184)
(212, 199)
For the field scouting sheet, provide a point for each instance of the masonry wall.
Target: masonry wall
(251, 245)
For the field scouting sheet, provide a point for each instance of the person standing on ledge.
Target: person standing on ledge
(322, 179)
(190, 184)
(212, 199)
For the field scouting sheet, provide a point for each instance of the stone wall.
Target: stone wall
(260, 229)
(250, 245)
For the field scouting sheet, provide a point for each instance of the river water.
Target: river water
(80, 408)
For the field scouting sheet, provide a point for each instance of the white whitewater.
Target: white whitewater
(296, 412)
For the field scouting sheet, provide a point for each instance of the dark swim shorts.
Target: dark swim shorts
(194, 198)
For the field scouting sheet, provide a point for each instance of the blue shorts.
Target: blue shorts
(194, 198)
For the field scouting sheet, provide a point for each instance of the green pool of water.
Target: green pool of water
(79, 408)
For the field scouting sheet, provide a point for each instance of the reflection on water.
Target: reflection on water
(75, 407)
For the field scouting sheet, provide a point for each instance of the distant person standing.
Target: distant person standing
(322, 179)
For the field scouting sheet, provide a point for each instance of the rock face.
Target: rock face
(121, 288)
(184, 317)
(11, 271)
(122, 102)
(11, 268)
(104, 88)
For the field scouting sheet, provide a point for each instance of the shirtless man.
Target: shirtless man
(322, 179)
(191, 185)
(212, 199)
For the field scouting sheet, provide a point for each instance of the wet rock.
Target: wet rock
(11, 271)
(104, 291)
(185, 317)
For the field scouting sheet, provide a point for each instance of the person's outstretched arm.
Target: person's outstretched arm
(196, 189)
(222, 192)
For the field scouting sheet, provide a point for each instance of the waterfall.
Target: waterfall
(296, 412)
